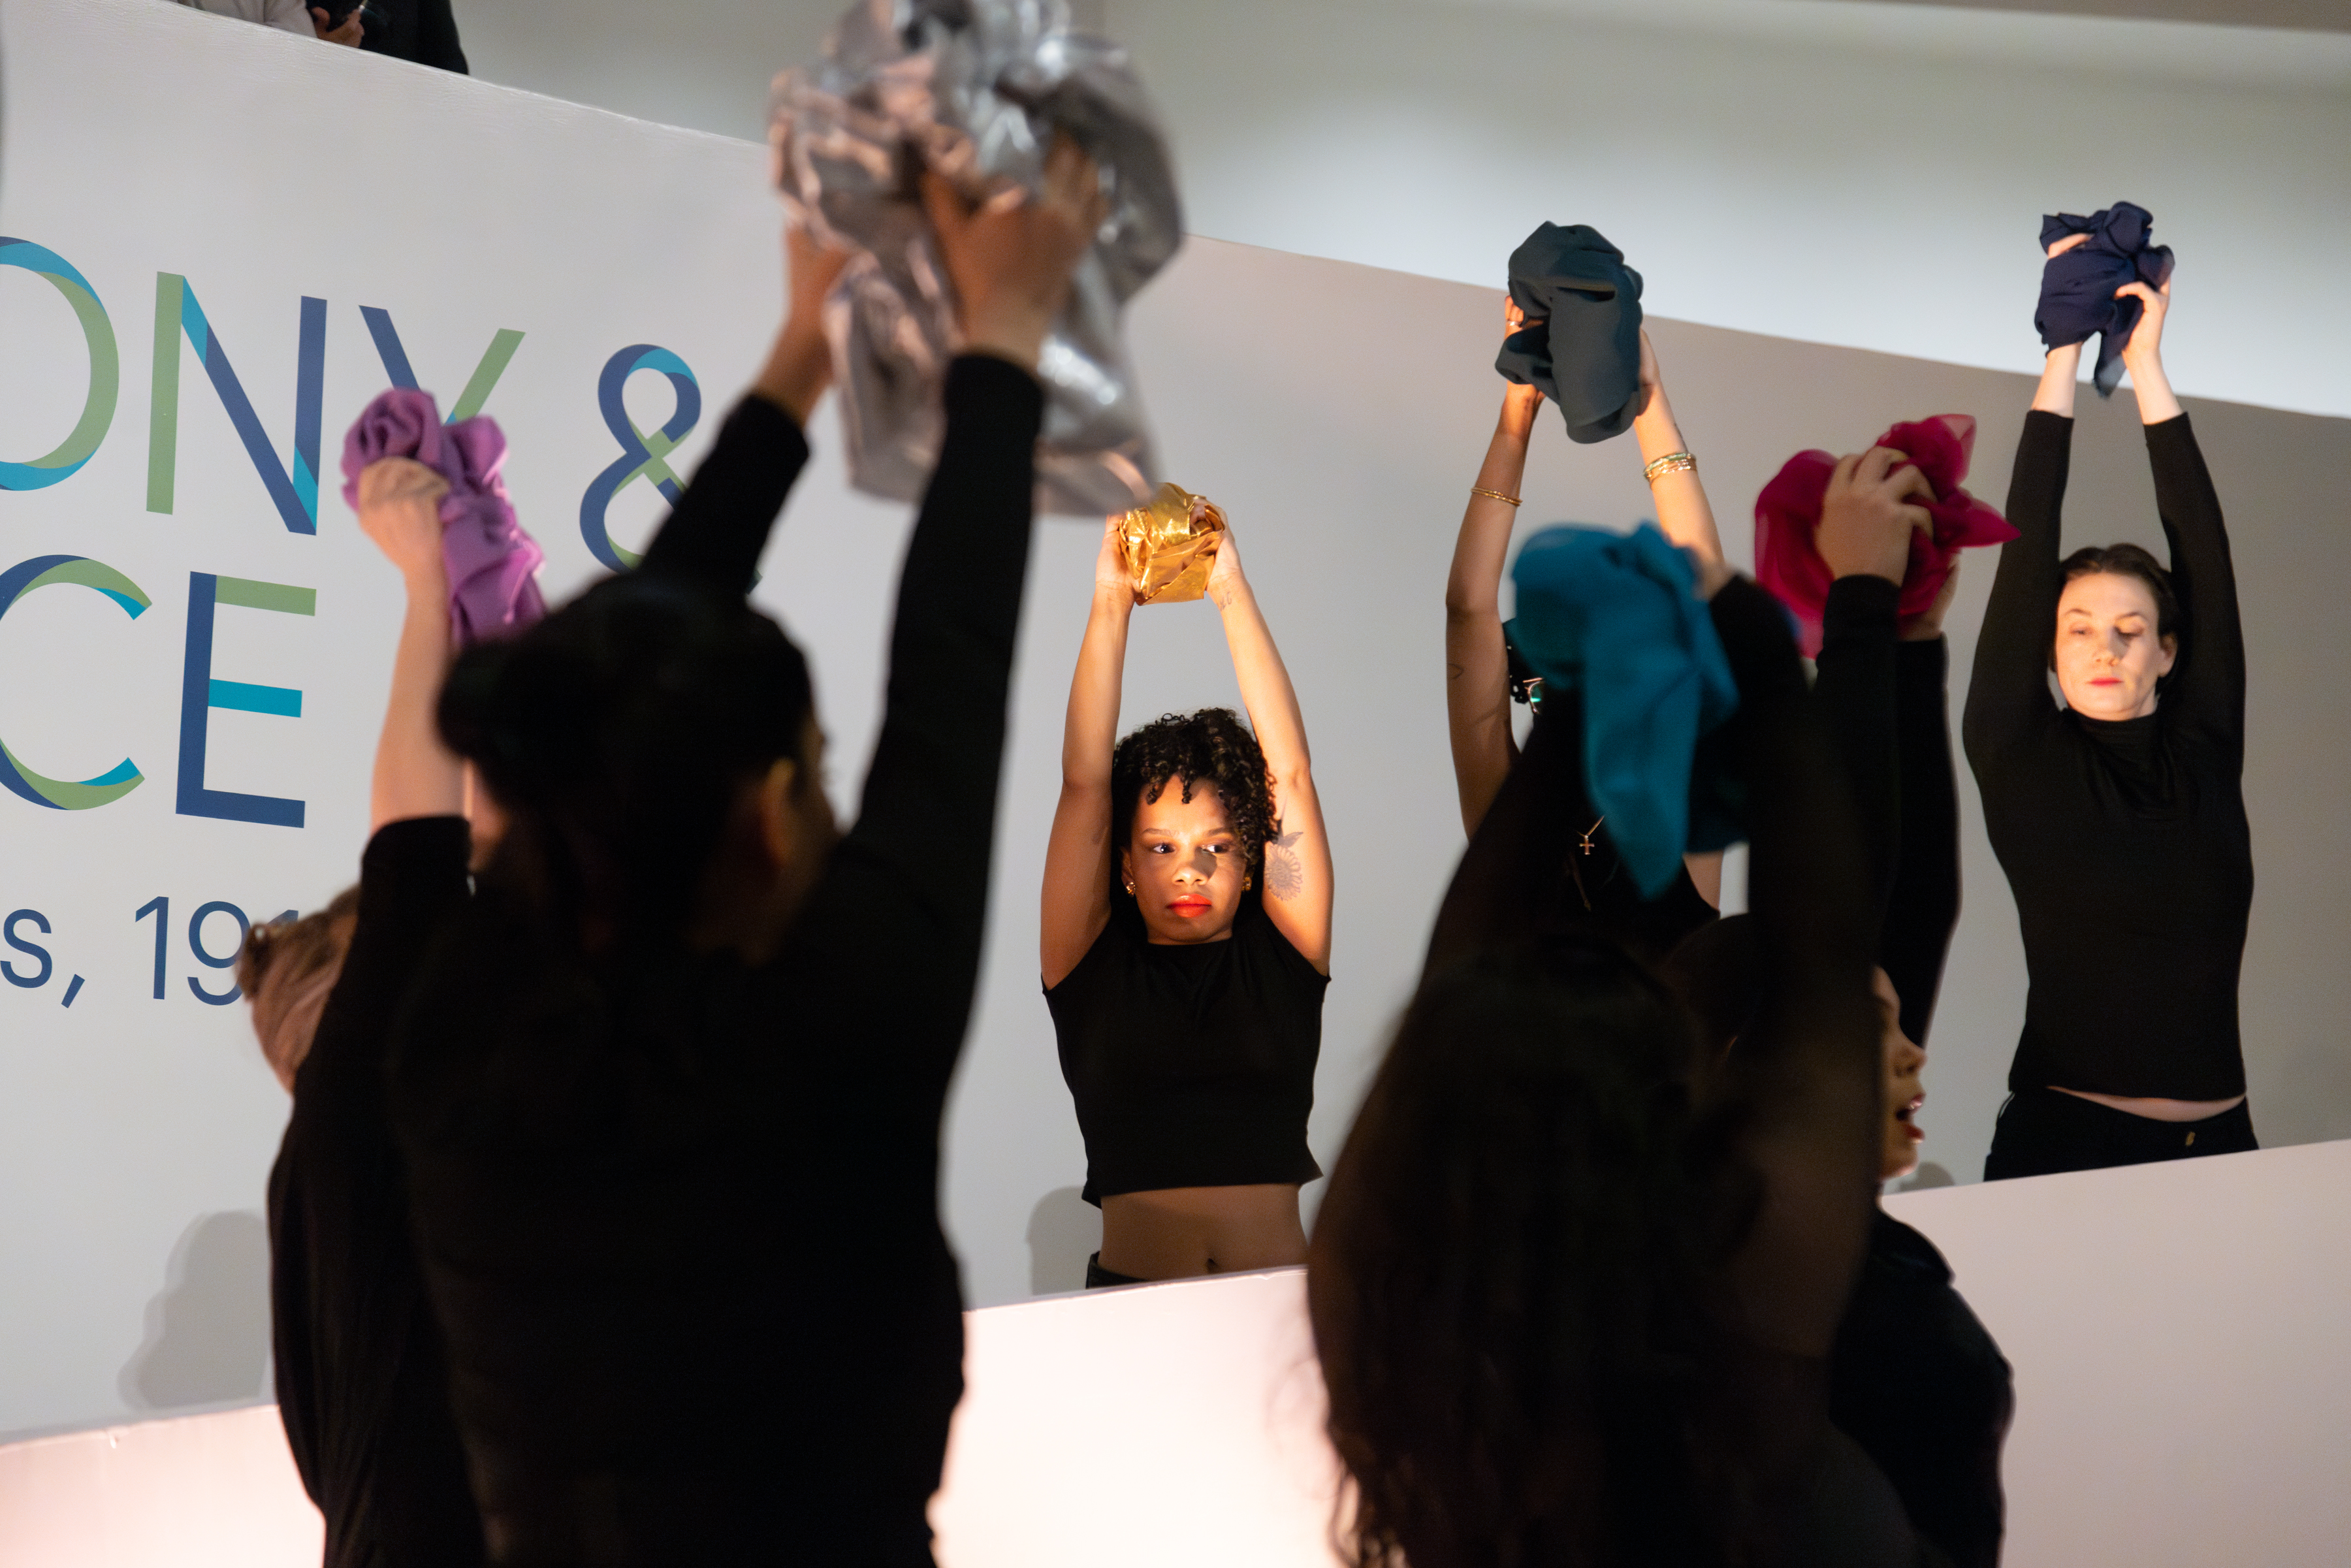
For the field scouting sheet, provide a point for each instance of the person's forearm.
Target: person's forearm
(1090, 730)
(1476, 666)
(2060, 373)
(1474, 581)
(415, 774)
(2156, 402)
(1683, 511)
(1266, 689)
(798, 368)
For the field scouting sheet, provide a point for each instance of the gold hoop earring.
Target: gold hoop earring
(1247, 882)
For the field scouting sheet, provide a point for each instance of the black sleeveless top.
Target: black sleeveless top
(1191, 1065)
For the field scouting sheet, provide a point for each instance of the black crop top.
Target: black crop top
(1192, 1065)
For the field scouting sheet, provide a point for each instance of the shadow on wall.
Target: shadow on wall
(1064, 1230)
(207, 1340)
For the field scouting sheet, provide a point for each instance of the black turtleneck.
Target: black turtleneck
(2124, 842)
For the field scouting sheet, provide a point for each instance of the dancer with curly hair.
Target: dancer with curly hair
(1185, 947)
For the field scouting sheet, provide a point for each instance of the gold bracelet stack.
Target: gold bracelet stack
(1495, 495)
(1671, 463)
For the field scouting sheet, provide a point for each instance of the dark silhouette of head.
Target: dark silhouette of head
(621, 736)
(1508, 1280)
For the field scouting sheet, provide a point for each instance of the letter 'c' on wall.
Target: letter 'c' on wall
(14, 583)
(105, 372)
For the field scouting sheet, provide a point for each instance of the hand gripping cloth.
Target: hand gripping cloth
(1787, 520)
(1581, 345)
(975, 90)
(2077, 289)
(492, 563)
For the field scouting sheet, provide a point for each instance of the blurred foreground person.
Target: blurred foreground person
(670, 1088)
(1577, 1278)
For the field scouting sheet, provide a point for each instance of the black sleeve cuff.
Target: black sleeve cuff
(412, 841)
(1860, 606)
(996, 395)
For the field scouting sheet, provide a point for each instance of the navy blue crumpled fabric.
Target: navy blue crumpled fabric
(2077, 289)
(1581, 346)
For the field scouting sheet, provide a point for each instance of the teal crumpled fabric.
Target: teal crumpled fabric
(1616, 618)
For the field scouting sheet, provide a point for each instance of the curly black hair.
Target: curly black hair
(1213, 746)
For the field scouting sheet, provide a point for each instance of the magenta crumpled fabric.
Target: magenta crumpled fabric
(1788, 518)
(492, 562)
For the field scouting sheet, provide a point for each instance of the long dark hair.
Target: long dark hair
(1508, 1280)
(1211, 746)
(617, 735)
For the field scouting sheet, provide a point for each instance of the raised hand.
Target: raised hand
(799, 367)
(1111, 575)
(1226, 579)
(354, 27)
(1869, 513)
(1011, 259)
(400, 509)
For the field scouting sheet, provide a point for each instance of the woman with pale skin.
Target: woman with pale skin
(1186, 946)
(2120, 817)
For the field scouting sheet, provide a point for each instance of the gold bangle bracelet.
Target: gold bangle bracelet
(1495, 495)
(1671, 463)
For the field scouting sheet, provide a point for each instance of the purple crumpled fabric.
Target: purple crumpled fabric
(493, 564)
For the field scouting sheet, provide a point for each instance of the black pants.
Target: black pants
(2043, 1131)
(1099, 1278)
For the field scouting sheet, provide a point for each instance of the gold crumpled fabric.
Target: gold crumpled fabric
(1170, 544)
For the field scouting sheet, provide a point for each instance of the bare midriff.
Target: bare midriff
(2152, 1109)
(1177, 1232)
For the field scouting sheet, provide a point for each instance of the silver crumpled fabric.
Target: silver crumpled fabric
(973, 89)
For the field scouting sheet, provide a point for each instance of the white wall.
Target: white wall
(2183, 1396)
(1869, 175)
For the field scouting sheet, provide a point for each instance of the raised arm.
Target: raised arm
(1298, 861)
(937, 765)
(1810, 1069)
(1476, 666)
(1916, 935)
(2008, 695)
(1078, 854)
(416, 775)
(1867, 515)
(720, 526)
(2207, 689)
(1684, 514)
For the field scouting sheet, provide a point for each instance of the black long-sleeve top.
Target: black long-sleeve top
(1914, 1379)
(1805, 1078)
(362, 1385)
(679, 1213)
(423, 32)
(2124, 841)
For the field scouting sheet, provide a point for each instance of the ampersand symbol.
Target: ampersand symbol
(643, 454)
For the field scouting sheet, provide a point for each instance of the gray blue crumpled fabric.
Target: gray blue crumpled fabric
(1581, 346)
(973, 89)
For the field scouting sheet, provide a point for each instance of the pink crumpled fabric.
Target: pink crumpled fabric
(492, 562)
(1788, 518)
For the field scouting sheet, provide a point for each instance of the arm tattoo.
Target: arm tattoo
(1284, 877)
